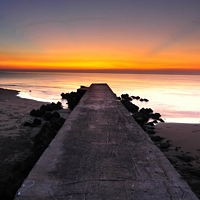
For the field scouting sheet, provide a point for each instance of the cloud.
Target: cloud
(38, 23)
(177, 37)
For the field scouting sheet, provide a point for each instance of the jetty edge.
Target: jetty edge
(102, 153)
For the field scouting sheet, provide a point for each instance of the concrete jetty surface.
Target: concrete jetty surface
(101, 153)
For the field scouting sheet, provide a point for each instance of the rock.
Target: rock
(150, 123)
(156, 138)
(74, 97)
(161, 120)
(59, 105)
(28, 124)
(52, 120)
(130, 106)
(56, 125)
(65, 95)
(37, 121)
(39, 150)
(126, 97)
(36, 113)
(146, 110)
(56, 115)
(186, 158)
(172, 161)
(150, 131)
(33, 113)
(164, 145)
(47, 116)
(135, 97)
(195, 172)
(61, 120)
(155, 115)
(140, 120)
(48, 107)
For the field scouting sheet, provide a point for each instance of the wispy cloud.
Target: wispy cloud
(178, 36)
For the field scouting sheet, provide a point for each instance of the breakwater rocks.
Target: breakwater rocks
(49, 121)
(146, 118)
(74, 97)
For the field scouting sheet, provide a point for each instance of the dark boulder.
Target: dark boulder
(126, 97)
(61, 120)
(37, 121)
(146, 110)
(56, 115)
(58, 105)
(130, 106)
(195, 172)
(150, 131)
(161, 120)
(47, 116)
(33, 113)
(155, 116)
(135, 97)
(52, 120)
(36, 113)
(165, 145)
(39, 150)
(156, 138)
(150, 124)
(186, 158)
(28, 124)
(65, 95)
(56, 125)
(172, 161)
(43, 107)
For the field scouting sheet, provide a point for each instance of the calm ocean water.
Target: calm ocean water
(176, 97)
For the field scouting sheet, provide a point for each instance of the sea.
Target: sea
(175, 97)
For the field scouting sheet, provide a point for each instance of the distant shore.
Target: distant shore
(15, 138)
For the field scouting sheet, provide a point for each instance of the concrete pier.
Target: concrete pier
(101, 153)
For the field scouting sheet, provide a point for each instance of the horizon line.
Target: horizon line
(152, 71)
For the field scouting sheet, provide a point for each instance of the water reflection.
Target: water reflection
(176, 97)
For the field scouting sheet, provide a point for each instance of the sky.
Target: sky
(106, 35)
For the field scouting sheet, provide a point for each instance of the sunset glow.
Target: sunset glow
(119, 35)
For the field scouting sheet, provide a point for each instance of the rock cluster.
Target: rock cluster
(74, 97)
(52, 123)
(143, 115)
(146, 119)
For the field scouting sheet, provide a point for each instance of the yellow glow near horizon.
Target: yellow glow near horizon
(97, 58)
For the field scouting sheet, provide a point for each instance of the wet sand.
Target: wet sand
(184, 152)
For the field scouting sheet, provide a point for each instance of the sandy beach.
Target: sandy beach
(15, 138)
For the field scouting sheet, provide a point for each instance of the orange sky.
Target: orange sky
(94, 36)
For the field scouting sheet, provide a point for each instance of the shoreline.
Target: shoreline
(15, 138)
